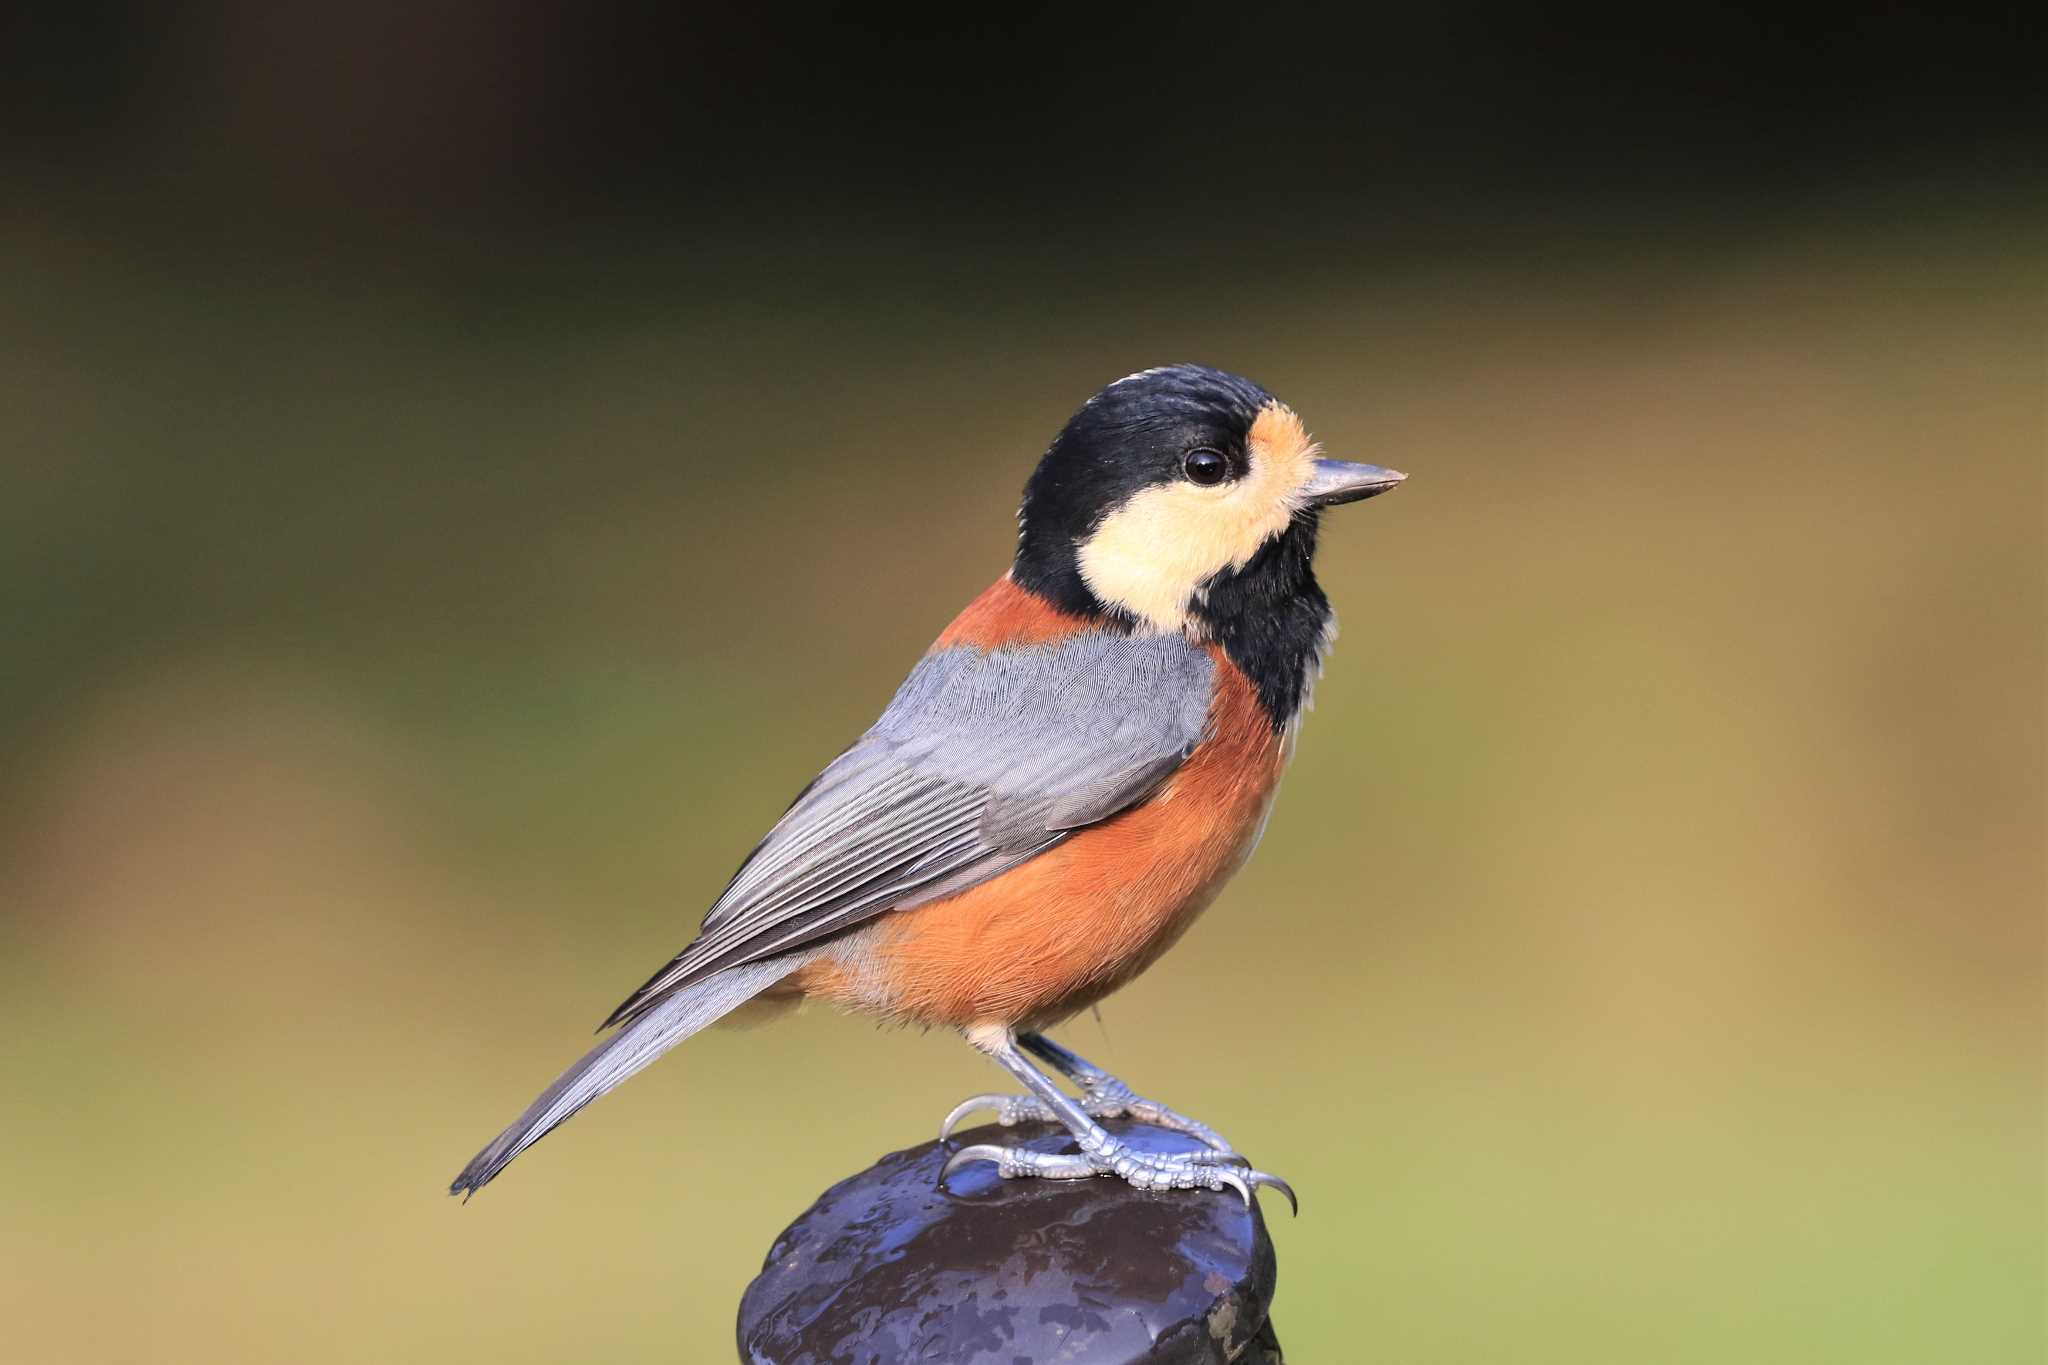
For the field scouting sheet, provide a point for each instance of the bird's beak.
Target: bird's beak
(1338, 481)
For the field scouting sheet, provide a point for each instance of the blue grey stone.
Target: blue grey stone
(887, 1268)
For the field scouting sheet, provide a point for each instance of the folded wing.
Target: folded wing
(982, 761)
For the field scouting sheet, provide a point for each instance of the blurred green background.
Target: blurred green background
(463, 474)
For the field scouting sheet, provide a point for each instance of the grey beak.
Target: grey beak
(1338, 481)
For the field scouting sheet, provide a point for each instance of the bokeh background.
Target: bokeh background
(465, 469)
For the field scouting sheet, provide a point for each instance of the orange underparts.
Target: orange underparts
(1006, 616)
(1052, 936)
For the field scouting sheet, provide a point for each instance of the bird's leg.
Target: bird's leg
(1103, 1096)
(1102, 1152)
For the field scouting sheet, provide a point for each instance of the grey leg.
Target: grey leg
(1103, 1096)
(1102, 1153)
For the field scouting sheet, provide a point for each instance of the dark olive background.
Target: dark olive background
(464, 471)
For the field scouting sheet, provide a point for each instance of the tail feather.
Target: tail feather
(655, 1031)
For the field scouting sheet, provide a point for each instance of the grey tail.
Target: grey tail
(657, 1029)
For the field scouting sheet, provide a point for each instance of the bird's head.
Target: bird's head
(1178, 497)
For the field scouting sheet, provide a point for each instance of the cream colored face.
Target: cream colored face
(1151, 554)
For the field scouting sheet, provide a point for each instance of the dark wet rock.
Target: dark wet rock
(887, 1267)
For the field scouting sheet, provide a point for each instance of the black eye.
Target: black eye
(1205, 467)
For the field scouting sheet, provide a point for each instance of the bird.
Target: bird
(1064, 781)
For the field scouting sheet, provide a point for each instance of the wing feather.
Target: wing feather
(982, 761)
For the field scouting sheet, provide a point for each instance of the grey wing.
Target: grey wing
(982, 761)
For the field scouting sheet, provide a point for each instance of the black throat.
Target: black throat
(1272, 619)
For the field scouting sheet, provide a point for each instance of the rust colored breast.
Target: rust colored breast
(1052, 936)
(1007, 615)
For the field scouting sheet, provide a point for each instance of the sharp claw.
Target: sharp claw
(966, 1107)
(1235, 1182)
(967, 1156)
(1260, 1178)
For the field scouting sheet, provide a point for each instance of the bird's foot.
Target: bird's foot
(1107, 1154)
(1107, 1098)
